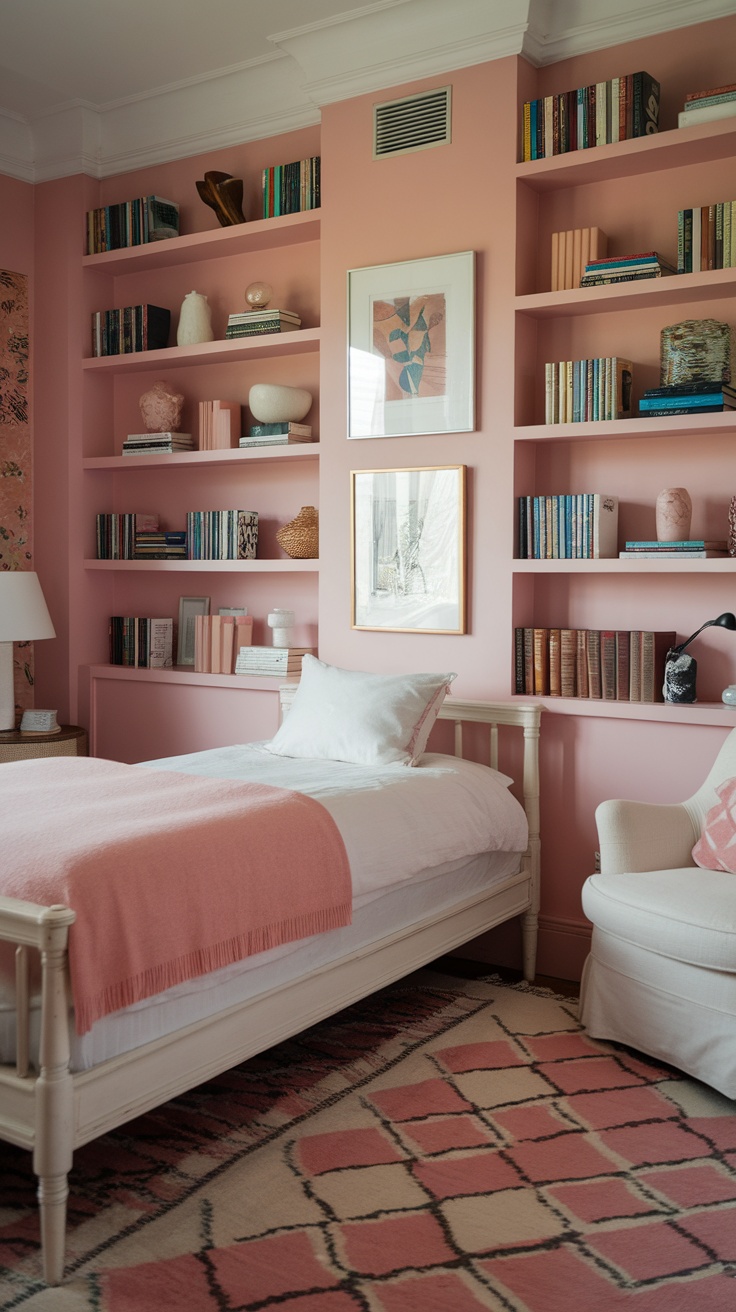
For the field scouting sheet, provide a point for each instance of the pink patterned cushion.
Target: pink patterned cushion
(716, 847)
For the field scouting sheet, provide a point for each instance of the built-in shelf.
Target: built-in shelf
(674, 289)
(283, 566)
(185, 459)
(219, 243)
(703, 713)
(267, 347)
(721, 565)
(638, 427)
(186, 675)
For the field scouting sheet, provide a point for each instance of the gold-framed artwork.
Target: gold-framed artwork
(409, 549)
(411, 347)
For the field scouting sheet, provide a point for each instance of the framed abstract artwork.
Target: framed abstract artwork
(408, 549)
(411, 347)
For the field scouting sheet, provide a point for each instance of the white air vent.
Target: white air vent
(414, 123)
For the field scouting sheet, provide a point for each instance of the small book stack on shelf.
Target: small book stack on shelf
(132, 328)
(599, 664)
(578, 526)
(163, 544)
(289, 188)
(706, 237)
(217, 641)
(626, 268)
(222, 534)
(155, 444)
(276, 434)
(692, 549)
(276, 661)
(117, 534)
(254, 323)
(687, 399)
(131, 223)
(706, 106)
(219, 425)
(581, 391)
(141, 642)
(572, 251)
(595, 115)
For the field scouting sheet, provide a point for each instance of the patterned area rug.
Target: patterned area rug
(446, 1146)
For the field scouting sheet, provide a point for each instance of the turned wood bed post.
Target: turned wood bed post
(52, 1153)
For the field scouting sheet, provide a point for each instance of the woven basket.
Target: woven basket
(300, 537)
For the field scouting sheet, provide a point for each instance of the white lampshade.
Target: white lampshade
(24, 617)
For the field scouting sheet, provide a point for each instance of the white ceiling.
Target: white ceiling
(82, 81)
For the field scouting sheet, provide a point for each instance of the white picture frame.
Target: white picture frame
(409, 549)
(411, 347)
(189, 607)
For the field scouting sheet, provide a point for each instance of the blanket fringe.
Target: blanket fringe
(205, 960)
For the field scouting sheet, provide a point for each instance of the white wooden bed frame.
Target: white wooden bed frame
(52, 1111)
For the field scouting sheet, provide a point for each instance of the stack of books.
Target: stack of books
(687, 399)
(603, 664)
(131, 223)
(218, 639)
(579, 526)
(132, 328)
(219, 425)
(581, 391)
(603, 112)
(276, 434)
(154, 444)
(706, 237)
(289, 188)
(692, 549)
(572, 250)
(254, 323)
(222, 534)
(626, 268)
(141, 642)
(276, 661)
(161, 545)
(706, 106)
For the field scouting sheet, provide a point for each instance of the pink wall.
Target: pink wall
(456, 197)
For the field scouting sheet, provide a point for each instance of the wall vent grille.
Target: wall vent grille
(413, 123)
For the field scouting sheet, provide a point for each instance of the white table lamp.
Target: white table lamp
(24, 617)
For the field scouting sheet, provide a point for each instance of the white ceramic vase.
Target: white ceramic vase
(275, 403)
(195, 320)
(281, 624)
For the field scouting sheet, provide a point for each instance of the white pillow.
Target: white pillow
(366, 719)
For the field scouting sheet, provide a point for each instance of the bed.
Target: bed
(59, 1090)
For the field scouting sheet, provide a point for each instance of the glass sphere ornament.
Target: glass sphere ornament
(258, 295)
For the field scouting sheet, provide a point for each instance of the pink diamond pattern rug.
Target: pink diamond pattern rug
(448, 1145)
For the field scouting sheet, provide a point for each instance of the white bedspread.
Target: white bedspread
(395, 820)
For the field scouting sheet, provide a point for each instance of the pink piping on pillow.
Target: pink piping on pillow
(432, 706)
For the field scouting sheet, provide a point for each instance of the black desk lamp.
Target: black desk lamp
(680, 670)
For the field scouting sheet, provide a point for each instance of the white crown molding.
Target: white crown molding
(382, 44)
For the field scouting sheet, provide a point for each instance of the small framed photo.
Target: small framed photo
(411, 357)
(408, 549)
(189, 607)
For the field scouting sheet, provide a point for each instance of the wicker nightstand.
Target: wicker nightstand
(16, 746)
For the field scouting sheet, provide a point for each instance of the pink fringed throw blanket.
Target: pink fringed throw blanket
(170, 875)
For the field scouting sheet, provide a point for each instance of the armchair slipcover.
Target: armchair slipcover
(661, 974)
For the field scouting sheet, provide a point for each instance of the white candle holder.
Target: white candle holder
(281, 623)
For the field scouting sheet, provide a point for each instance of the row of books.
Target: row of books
(601, 664)
(575, 526)
(706, 237)
(276, 434)
(222, 534)
(219, 424)
(707, 106)
(254, 323)
(578, 391)
(137, 537)
(131, 223)
(625, 268)
(141, 642)
(572, 250)
(690, 549)
(137, 444)
(594, 115)
(276, 661)
(687, 399)
(217, 641)
(131, 328)
(289, 188)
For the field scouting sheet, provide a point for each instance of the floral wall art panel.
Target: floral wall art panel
(15, 453)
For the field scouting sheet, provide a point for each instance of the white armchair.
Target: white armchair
(661, 974)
